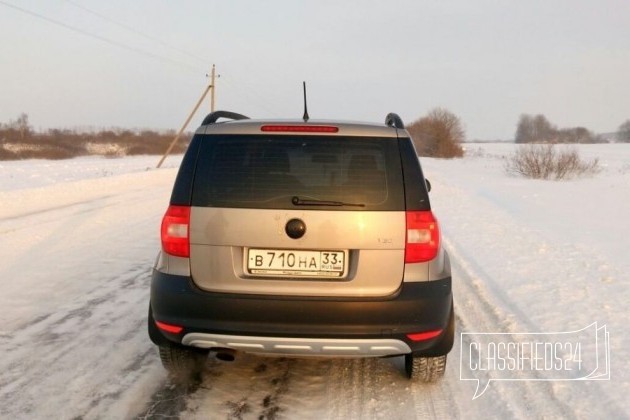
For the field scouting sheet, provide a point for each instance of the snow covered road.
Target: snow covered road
(78, 239)
(75, 274)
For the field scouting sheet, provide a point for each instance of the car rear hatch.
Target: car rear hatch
(298, 215)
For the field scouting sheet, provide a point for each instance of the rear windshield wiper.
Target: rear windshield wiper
(297, 201)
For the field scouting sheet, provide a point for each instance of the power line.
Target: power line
(253, 95)
(248, 91)
(98, 37)
(137, 32)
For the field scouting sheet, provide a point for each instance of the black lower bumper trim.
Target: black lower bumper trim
(416, 307)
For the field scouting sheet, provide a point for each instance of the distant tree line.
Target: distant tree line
(19, 141)
(540, 158)
(538, 129)
(623, 132)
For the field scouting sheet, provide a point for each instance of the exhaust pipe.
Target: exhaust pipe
(225, 355)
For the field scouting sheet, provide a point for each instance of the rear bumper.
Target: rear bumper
(264, 322)
(288, 346)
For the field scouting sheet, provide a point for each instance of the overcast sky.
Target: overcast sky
(143, 63)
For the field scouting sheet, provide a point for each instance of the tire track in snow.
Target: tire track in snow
(379, 389)
(498, 297)
(441, 399)
(170, 400)
(478, 313)
(91, 344)
(81, 209)
(54, 209)
(482, 307)
(77, 270)
(249, 388)
(347, 389)
(254, 387)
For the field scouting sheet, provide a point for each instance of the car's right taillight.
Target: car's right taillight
(423, 237)
(175, 230)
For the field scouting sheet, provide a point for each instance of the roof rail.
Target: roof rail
(212, 117)
(393, 120)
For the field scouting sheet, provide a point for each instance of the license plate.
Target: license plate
(274, 262)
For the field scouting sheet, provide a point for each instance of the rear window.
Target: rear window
(287, 172)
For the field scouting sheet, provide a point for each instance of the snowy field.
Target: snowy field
(78, 239)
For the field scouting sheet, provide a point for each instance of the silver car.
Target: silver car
(301, 238)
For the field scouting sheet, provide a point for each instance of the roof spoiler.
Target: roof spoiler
(212, 117)
(393, 120)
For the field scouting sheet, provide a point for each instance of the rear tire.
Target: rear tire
(182, 363)
(425, 369)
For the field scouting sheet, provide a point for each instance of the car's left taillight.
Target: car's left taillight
(175, 231)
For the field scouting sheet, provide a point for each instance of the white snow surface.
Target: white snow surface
(78, 239)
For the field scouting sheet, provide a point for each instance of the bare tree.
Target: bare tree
(535, 129)
(438, 134)
(21, 125)
(575, 135)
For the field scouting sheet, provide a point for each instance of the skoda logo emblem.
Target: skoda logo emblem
(295, 228)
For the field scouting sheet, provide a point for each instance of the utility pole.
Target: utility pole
(212, 83)
(210, 88)
(170, 147)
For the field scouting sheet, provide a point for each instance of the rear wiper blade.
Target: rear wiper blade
(297, 201)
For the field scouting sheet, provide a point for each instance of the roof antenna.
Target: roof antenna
(305, 117)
